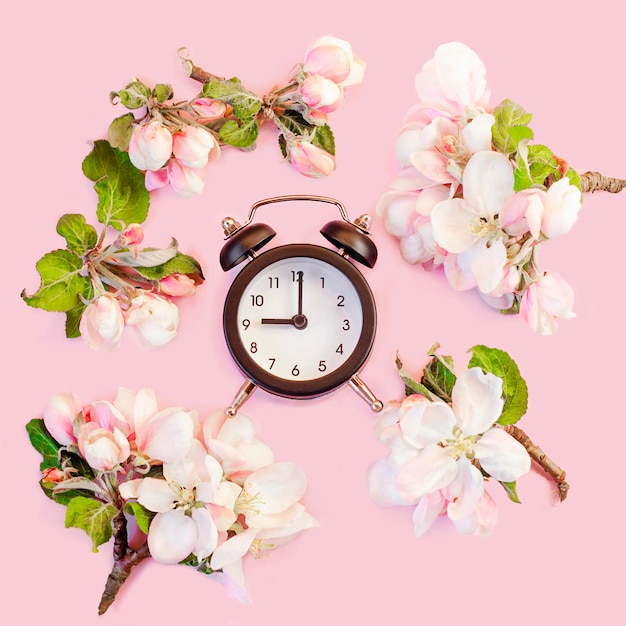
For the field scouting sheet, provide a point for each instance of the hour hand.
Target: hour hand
(277, 320)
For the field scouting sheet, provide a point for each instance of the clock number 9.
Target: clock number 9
(246, 324)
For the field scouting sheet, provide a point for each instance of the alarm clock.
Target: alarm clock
(299, 319)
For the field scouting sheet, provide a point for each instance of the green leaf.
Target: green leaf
(80, 236)
(146, 257)
(73, 316)
(133, 96)
(245, 104)
(163, 92)
(534, 167)
(61, 282)
(202, 566)
(324, 139)
(121, 130)
(122, 195)
(143, 517)
(514, 388)
(574, 178)
(282, 144)
(239, 136)
(296, 124)
(510, 126)
(439, 376)
(180, 264)
(511, 491)
(44, 443)
(93, 517)
(63, 497)
(411, 386)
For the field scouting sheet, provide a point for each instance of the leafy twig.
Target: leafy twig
(539, 456)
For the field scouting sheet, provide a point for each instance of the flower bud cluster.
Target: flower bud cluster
(461, 202)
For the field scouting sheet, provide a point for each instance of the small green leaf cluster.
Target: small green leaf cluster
(74, 276)
(438, 379)
(535, 165)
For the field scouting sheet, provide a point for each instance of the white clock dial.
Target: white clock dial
(300, 318)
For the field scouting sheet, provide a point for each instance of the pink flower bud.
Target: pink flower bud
(192, 146)
(132, 235)
(157, 179)
(155, 317)
(102, 449)
(310, 160)
(334, 59)
(52, 475)
(545, 301)
(59, 415)
(321, 93)
(208, 109)
(150, 146)
(177, 285)
(102, 323)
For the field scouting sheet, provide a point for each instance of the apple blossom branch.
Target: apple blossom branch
(594, 181)
(541, 458)
(125, 559)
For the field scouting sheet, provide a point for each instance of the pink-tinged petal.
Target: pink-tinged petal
(168, 435)
(502, 303)
(237, 429)
(426, 423)
(432, 165)
(300, 520)
(214, 423)
(430, 197)
(156, 495)
(59, 415)
(487, 183)
(501, 456)
(428, 509)
(172, 537)
(157, 179)
(430, 470)
(409, 141)
(477, 134)
(131, 488)
(207, 533)
(398, 210)
(277, 486)
(233, 549)
(231, 578)
(137, 407)
(466, 491)
(223, 517)
(563, 202)
(409, 179)
(108, 416)
(476, 400)
(458, 273)
(413, 249)
(226, 494)
(452, 221)
(381, 484)
(186, 181)
(486, 261)
(482, 522)
(213, 471)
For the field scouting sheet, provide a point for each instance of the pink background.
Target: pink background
(544, 562)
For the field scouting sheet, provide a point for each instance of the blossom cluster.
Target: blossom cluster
(174, 142)
(206, 492)
(449, 436)
(475, 197)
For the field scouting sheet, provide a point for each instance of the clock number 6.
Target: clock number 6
(295, 371)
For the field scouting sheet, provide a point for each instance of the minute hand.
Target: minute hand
(300, 281)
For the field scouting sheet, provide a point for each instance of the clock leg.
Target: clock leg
(243, 394)
(364, 392)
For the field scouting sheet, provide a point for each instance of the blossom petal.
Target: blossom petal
(168, 435)
(476, 400)
(482, 521)
(501, 456)
(466, 491)
(487, 182)
(452, 220)
(381, 484)
(172, 537)
(156, 495)
(426, 423)
(428, 509)
(486, 263)
(278, 486)
(207, 533)
(432, 165)
(233, 549)
(430, 470)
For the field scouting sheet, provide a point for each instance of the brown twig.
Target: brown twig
(125, 559)
(594, 181)
(538, 455)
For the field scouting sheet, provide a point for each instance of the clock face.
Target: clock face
(300, 320)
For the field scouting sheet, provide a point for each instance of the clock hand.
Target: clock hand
(277, 320)
(300, 281)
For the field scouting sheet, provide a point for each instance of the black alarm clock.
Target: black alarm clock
(299, 319)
